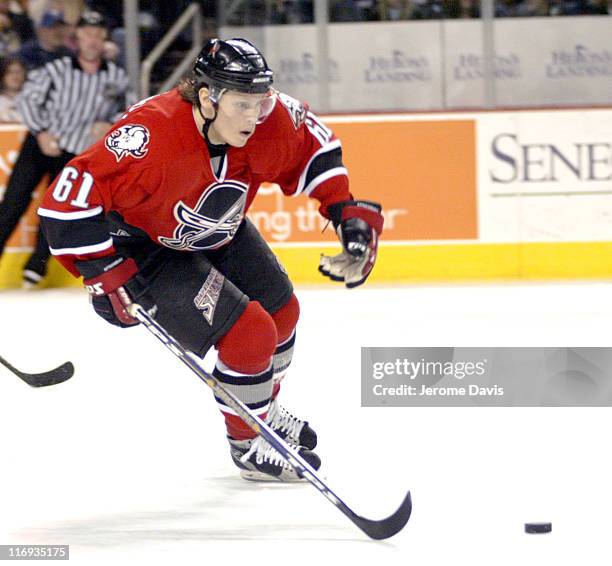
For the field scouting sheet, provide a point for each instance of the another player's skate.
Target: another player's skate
(290, 428)
(33, 273)
(259, 461)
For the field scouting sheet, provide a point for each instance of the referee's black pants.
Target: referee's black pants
(31, 166)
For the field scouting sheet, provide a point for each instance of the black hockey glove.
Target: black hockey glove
(358, 224)
(113, 283)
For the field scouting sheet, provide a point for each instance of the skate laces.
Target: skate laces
(281, 419)
(264, 452)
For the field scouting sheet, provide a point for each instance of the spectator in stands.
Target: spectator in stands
(514, 9)
(154, 19)
(49, 44)
(111, 9)
(12, 77)
(36, 8)
(9, 40)
(600, 7)
(461, 9)
(344, 11)
(19, 24)
(395, 10)
(575, 7)
(368, 10)
(427, 10)
(72, 10)
(291, 12)
(165, 13)
(252, 13)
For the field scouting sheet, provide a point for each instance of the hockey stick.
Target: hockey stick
(52, 377)
(381, 529)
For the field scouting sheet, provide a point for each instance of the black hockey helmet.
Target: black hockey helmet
(235, 64)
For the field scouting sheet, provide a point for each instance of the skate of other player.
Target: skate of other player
(157, 210)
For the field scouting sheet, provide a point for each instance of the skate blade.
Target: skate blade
(254, 476)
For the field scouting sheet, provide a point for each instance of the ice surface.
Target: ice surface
(127, 462)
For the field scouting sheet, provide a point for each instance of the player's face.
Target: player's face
(237, 116)
(90, 41)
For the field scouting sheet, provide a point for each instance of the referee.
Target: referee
(67, 105)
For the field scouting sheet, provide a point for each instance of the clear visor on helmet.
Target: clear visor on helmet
(267, 105)
(250, 106)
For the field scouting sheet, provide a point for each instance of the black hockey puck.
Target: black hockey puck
(536, 528)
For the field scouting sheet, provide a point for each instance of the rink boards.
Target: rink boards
(467, 196)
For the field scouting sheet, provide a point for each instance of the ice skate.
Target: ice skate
(30, 280)
(33, 274)
(259, 461)
(290, 428)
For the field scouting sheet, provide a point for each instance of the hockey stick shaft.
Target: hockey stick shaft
(375, 529)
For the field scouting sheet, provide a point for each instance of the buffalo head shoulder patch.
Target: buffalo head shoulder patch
(130, 140)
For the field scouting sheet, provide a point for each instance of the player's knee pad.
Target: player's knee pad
(286, 318)
(250, 343)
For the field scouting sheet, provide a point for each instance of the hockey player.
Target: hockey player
(157, 209)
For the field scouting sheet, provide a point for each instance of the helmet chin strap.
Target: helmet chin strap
(214, 98)
(207, 121)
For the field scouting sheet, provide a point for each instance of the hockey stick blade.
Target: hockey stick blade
(382, 529)
(385, 528)
(52, 377)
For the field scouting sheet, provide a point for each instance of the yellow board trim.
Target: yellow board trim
(412, 263)
(11, 267)
(466, 262)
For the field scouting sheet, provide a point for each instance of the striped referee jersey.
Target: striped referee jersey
(63, 99)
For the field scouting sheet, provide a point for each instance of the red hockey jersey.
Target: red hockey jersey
(155, 170)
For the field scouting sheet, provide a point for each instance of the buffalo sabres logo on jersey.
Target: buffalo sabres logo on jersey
(213, 221)
(128, 140)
